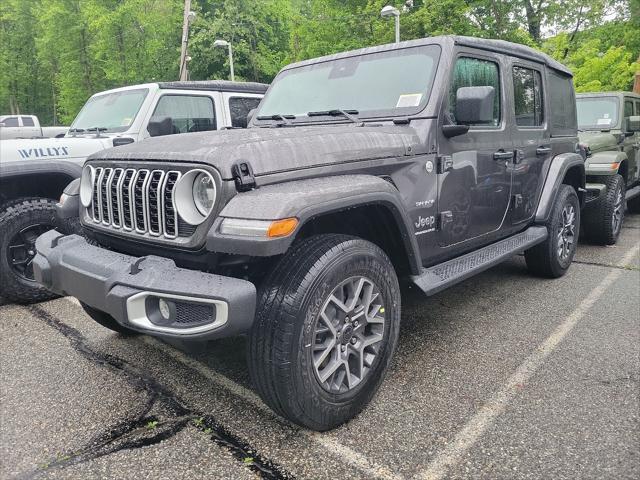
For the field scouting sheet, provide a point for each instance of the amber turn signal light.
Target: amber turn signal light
(282, 228)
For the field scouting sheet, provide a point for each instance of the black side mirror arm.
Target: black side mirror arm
(451, 131)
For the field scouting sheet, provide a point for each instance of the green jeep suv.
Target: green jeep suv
(609, 132)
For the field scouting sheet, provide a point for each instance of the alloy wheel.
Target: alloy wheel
(618, 212)
(567, 232)
(22, 249)
(348, 334)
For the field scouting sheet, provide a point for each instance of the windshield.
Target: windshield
(597, 113)
(113, 111)
(390, 83)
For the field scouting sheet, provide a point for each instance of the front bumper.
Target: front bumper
(200, 305)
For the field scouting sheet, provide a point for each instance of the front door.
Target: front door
(474, 184)
(531, 139)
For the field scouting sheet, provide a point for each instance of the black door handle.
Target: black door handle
(543, 150)
(502, 155)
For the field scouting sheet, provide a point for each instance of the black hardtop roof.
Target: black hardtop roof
(217, 85)
(499, 46)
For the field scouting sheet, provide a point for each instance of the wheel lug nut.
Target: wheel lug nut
(343, 348)
(353, 340)
(356, 323)
(347, 319)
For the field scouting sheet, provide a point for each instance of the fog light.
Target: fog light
(164, 308)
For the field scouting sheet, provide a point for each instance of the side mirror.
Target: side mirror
(162, 126)
(250, 116)
(633, 124)
(474, 105)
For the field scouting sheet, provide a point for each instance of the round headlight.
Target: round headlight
(195, 196)
(86, 185)
(204, 193)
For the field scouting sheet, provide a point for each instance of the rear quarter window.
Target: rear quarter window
(27, 122)
(562, 104)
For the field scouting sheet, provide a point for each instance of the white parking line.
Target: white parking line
(341, 452)
(466, 438)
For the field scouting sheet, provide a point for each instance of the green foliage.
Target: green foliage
(54, 54)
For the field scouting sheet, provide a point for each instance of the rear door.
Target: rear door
(475, 186)
(531, 138)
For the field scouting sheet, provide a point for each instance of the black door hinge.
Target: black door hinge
(444, 218)
(243, 176)
(445, 163)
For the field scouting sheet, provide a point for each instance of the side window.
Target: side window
(562, 104)
(11, 122)
(188, 113)
(473, 72)
(239, 108)
(27, 122)
(527, 92)
(628, 108)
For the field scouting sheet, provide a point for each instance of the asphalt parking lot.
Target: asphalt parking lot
(502, 376)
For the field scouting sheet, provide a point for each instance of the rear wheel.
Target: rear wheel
(22, 221)
(603, 221)
(326, 328)
(553, 257)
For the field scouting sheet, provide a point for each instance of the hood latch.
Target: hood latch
(243, 176)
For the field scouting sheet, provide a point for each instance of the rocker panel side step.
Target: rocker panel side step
(434, 279)
(632, 192)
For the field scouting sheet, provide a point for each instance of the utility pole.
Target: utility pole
(636, 80)
(184, 72)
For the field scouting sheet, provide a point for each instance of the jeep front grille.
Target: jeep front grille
(135, 200)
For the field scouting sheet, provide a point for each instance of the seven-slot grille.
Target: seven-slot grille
(135, 200)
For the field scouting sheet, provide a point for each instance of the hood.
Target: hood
(67, 148)
(271, 150)
(598, 141)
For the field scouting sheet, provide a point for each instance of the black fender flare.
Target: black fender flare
(560, 166)
(308, 199)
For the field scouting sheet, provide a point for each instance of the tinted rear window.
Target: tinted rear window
(562, 104)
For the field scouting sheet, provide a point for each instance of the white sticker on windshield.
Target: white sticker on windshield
(604, 121)
(409, 100)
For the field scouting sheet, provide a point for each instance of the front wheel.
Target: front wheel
(22, 221)
(326, 328)
(603, 221)
(553, 257)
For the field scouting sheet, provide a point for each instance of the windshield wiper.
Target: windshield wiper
(97, 130)
(285, 119)
(337, 112)
(75, 131)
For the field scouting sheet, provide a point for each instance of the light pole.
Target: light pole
(189, 16)
(224, 43)
(390, 11)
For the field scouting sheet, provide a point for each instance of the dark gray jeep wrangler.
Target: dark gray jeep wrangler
(429, 160)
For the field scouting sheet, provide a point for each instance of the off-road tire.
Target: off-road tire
(14, 217)
(290, 300)
(634, 204)
(598, 219)
(107, 321)
(543, 259)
